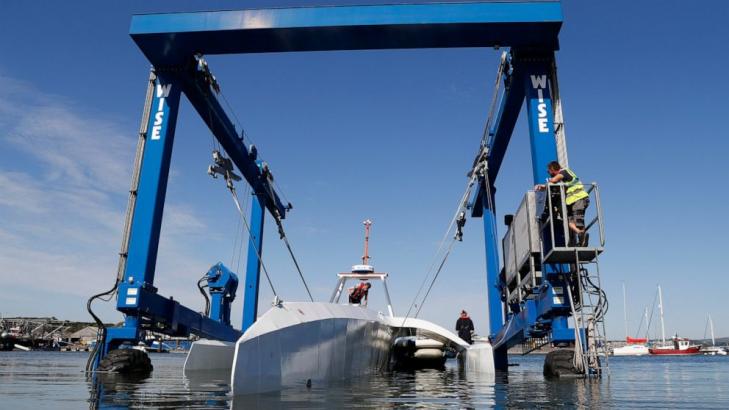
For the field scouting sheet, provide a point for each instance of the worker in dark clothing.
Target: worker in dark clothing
(359, 292)
(464, 327)
(576, 199)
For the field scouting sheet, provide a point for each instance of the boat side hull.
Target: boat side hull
(675, 352)
(309, 344)
(631, 350)
(207, 355)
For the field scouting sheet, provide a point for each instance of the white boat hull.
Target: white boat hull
(208, 355)
(631, 350)
(309, 343)
(713, 351)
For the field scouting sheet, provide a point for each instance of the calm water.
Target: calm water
(55, 380)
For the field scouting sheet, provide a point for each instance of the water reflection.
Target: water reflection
(448, 388)
(530, 389)
(120, 388)
(57, 380)
(417, 389)
(166, 387)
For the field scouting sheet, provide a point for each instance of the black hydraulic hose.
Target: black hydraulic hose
(602, 304)
(101, 334)
(603, 300)
(200, 287)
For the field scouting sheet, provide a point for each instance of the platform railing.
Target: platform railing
(558, 225)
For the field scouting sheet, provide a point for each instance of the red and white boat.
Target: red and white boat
(679, 346)
(633, 347)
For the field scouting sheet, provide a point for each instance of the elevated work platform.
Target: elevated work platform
(572, 254)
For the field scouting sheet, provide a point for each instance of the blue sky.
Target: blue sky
(386, 135)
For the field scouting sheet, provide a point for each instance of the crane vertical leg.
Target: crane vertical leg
(147, 221)
(144, 240)
(543, 145)
(541, 118)
(496, 316)
(253, 264)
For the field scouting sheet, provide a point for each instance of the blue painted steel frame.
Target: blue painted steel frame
(546, 315)
(138, 298)
(145, 229)
(253, 264)
(203, 98)
(541, 118)
(170, 40)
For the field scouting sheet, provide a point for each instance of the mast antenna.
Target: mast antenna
(366, 258)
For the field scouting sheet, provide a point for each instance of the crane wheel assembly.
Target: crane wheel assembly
(560, 364)
(126, 361)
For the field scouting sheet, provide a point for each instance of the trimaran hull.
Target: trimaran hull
(311, 343)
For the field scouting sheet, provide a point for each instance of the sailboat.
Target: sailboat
(634, 346)
(713, 350)
(679, 346)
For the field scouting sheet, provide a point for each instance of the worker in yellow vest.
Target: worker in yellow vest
(576, 198)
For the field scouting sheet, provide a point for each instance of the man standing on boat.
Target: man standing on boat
(464, 327)
(576, 198)
(357, 293)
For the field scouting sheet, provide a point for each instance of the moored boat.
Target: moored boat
(712, 350)
(680, 346)
(7, 341)
(634, 346)
(631, 349)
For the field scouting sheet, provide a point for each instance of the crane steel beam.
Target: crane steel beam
(500, 136)
(205, 101)
(172, 37)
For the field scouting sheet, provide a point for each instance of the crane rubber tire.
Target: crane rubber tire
(126, 361)
(559, 364)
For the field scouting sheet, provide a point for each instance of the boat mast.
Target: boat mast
(625, 312)
(647, 326)
(366, 257)
(711, 327)
(660, 307)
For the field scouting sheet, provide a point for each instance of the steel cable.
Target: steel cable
(442, 263)
(296, 263)
(461, 206)
(250, 235)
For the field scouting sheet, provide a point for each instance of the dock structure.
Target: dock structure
(37, 332)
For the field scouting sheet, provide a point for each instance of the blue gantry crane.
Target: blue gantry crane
(547, 277)
(530, 300)
(143, 307)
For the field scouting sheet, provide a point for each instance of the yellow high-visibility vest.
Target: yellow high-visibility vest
(575, 189)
